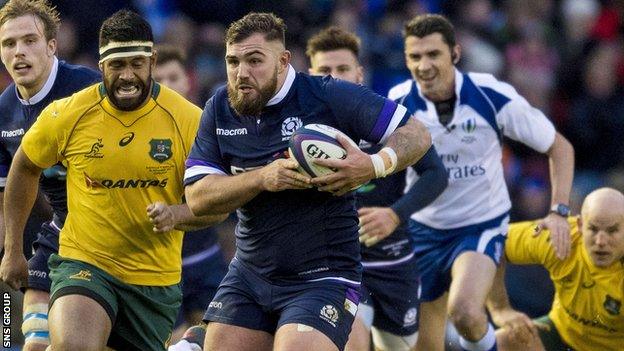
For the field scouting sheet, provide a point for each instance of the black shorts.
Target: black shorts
(46, 244)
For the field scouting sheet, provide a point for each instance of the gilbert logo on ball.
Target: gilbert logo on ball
(316, 141)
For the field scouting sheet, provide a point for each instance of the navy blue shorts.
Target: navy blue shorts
(46, 244)
(248, 300)
(392, 292)
(437, 249)
(201, 275)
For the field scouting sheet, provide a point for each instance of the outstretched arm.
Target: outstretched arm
(19, 196)
(561, 161)
(168, 217)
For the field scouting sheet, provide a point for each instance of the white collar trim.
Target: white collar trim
(281, 94)
(44, 90)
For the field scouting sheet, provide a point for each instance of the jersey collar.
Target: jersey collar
(44, 90)
(281, 94)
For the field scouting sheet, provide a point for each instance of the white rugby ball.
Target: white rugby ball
(316, 141)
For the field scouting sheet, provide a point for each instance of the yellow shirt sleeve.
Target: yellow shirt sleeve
(522, 247)
(44, 141)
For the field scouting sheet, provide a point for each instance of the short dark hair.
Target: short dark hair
(125, 25)
(333, 38)
(41, 9)
(268, 24)
(423, 25)
(167, 53)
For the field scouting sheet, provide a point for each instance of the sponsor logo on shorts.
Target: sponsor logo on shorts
(37, 274)
(410, 317)
(329, 314)
(82, 275)
(215, 304)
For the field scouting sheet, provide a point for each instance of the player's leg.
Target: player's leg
(359, 338)
(473, 274)
(238, 317)
(37, 295)
(35, 321)
(82, 306)
(395, 290)
(386, 341)
(78, 322)
(315, 316)
(226, 337)
(432, 325)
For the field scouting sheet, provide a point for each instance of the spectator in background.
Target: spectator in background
(595, 125)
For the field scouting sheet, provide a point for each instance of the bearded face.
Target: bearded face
(247, 98)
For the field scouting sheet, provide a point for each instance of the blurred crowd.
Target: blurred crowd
(564, 56)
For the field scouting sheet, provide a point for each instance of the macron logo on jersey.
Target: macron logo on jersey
(12, 133)
(232, 132)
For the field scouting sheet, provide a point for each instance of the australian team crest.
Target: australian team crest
(612, 305)
(160, 149)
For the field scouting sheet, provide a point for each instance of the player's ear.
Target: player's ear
(284, 60)
(360, 74)
(51, 47)
(154, 59)
(456, 54)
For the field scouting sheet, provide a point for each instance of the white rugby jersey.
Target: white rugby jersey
(470, 145)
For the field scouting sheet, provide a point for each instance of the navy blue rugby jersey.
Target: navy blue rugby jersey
(18, 115)
(383, 192)
(295, 234)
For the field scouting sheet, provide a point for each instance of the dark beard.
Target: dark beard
(127, 105)
(251, 107)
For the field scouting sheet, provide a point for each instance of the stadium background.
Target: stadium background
(564, 56)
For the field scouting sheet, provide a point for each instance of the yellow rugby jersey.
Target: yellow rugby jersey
(118, 162)
(587, 308)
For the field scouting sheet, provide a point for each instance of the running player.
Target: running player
(27, 46)
(389, 304)
(296, 273)
(589, 285)
(116, 278)
(460, 237)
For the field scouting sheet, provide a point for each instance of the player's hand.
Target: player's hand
(376, 224)
(351, 172)
(281, 175)
(162, 217)
(559, 233)
(14, 270)
(519, 324)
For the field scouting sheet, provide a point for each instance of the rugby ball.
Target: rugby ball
(316, 141)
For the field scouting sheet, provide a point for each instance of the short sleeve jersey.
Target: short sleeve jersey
(293, 235)
(470, 146)
(118, 162)
(587, 309)
(18, 115)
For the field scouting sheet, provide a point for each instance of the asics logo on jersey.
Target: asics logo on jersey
(12, 133)
(232, 132)
(126, 139)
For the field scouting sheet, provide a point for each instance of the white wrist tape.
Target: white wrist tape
(394, 160)
(380, 166)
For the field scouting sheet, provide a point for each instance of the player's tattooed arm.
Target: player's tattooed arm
(410, 142)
